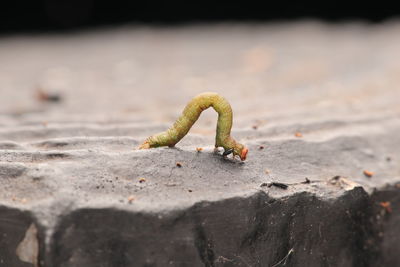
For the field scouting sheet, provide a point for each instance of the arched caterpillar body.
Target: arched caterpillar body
(190, 115)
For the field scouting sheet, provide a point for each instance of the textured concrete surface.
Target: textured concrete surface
(75, 191)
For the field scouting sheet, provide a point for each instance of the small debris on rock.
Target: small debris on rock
(22, 200)
(388, 159)
(277, 184)
(179, 164)
(142, 180)
(298, 134)
(222, 259)
(131, 199)
(387, 206)
(267, 171)
(190, 190)
(368, 173)
(261, 147)
(199, 149)
(43, 96)
(170, 184)
(307, 181)
(280, 185)
(257, 123)
(343, 183)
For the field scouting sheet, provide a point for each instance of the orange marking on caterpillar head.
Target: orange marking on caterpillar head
(243, 154)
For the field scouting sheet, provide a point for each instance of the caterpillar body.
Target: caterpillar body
(190, 115)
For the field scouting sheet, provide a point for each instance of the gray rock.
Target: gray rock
(76, 191)
(250, 231)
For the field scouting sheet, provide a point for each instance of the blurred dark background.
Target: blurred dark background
(56, 15)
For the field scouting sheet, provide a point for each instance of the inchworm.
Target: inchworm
(190, 115)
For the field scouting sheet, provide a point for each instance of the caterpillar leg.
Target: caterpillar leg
(227, 152)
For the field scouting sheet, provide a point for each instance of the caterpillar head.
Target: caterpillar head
(241, 151)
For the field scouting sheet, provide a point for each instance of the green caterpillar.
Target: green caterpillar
(190, 115)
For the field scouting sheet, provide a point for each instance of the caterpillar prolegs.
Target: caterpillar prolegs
(190, 115)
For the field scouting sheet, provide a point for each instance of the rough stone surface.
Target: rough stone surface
(75, 191)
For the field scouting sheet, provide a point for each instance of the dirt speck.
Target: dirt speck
(368, 173)
(298, 134)
(45, 96)
(276, 184)
(386, 205)
(131, 199)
